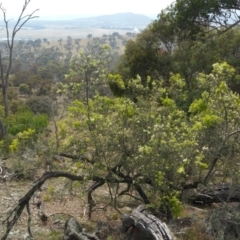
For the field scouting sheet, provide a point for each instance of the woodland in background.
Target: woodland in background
(152, 123)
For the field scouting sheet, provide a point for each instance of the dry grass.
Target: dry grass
(54, 33)
(189, 226)
(60, 201)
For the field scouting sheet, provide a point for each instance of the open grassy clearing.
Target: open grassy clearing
(54, 33)
(83, 44)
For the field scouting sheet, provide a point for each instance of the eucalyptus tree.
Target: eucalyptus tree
(90, 66)
(90, 70)
(196, 16)
(142, 56)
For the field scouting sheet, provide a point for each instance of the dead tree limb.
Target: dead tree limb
(90, 199)
(215, 194)
(141, 225)
(141, 193)
(24, 201)
(13, 217)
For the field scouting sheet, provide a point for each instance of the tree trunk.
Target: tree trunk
(5, 101)
(2, 130)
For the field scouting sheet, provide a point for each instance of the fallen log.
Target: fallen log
(215, 194)
(141, 225)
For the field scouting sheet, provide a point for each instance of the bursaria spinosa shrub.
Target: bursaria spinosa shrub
(152, 141)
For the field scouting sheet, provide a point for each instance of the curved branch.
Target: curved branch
(24, 201)
(12, 219)
(90, 199)
(141, 193)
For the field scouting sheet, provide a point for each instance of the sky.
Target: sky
(83, 8)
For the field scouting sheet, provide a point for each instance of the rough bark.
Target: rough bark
(141, 225)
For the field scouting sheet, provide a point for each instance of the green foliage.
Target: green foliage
(152, 138)
(166, 130)
(24, 120)
(12, 93)
(164, 48)
(47, 198)
(23, 138)
(89, 69)
(24, 128)
(51, 189)
(193, 16)
(116, 84)
(171, 202)
(24, 89)
(17, 105)
(141, 57)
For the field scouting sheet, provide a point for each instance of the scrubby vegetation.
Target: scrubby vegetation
(155, 124)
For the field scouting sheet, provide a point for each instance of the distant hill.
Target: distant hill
(122, 21)
(130, 17)
(118, 20)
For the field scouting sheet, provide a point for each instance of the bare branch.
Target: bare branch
(232, 134)
(29, 17)
(22, 203)
(22, 19)
(90, 199)
(12, 219)
(132, 196)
